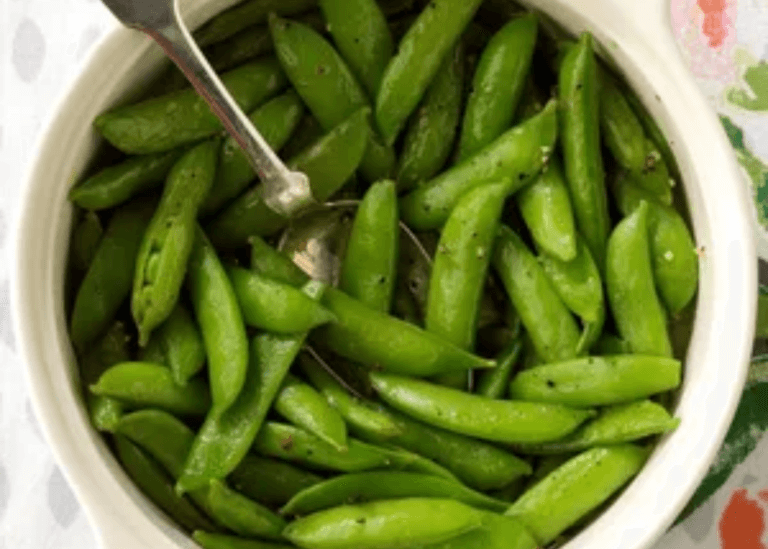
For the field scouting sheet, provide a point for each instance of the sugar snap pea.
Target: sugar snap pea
(654, 175)
(548, 322)
(498, 84)
(167, 242)
(494, 383)
(220, 541)
(610, 344)
(591, 332)
(221, 323)
(575, 488)
(381, 524)
(163, 123)
(181, 345)
(241, 515)
(162, 435)
(269, 262)
(85, 241)
(496, 532)
(620, 128)
(597, 381)
(629, 279)
(368, 272)
(270, 481)
(306, 133)
(418, 58)
(519, 154)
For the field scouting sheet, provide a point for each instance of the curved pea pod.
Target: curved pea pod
(180, 344)
(597, 381)
(85, 241)
(494, 383)
(381, 524)
(328, 163)
(224, 439)
(615, 425)
(268, 262)
(105, 412)
(241, 515)
(577, 282)
(431, 132)
(580, 138)
(306, 408)
(116, 184)
(274, 306)
(378, 340)
(157, 485)
(591, 332)
(640, 319)
(673, 251)
(164, 123)
(219, 541)
(221, 323)
(368, 272)
(276, 120)
(167, 244)
(548, 322)
(496, 532)
(417, 61)
(571, 491)
(270, 481)
(546, 209)
(498, 84)
(141, 384)
(620, 128)
(518, 154)
(477, 416)
(109, 277)
(162, 435)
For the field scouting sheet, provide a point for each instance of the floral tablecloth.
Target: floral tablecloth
(43, 43)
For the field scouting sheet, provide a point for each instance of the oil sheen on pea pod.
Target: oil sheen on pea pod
(597, 381)
(378, 340)
(167, 244)
(368, 272)
(329, 163)
(164, 123)
(477, 416)
(270, 481)
(431, 131)
(241, 515)
(421, 51)
(494, 383)
(180, 344)
(267, 261)
(547, 320)
(518, 154)
(276, 120)
(546, 209)
(381, 524)
(639, 316)
(107, 282)
(498, 84)
(496, 532)
(574, 489)
(207, 540)
(580, 138)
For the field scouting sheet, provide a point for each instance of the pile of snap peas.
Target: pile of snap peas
(487, 379)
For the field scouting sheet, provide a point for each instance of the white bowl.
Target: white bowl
(637, 37)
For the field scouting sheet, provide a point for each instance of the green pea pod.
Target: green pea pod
(141, 384)
(597, 381)
(219, 541)
(609, 344)
(267, 261)
(378, 340)
(575, 488)
(620, 128)
(546, 209)
(496, 532)
(224, 439)
(498, 84)
(182, 345)
(365, 487)
(154, 351)
(419, 55)
(494, 383)
(306, 134)
(269, 481)
(162, 435)
(110, 275)
(577, 282)
(221, 323)
(614, 425)
(241, 515)
(393, 523)
(157, 485)
(518, 154)
(163, 123)
(629, 279)
(85, 241)
(580, 138)
(274, 306)
(368, 272)
(547, 321)
(276, 120)
(362, 36)
(591, 332)
(306, 408)
(431, 131)
(167, 244)
(105, 412)
(328, 163)
(477, 416)
(116, 184)
(673, 252)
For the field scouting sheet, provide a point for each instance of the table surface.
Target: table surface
(42, 46)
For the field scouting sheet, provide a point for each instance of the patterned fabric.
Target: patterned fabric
(42, 45)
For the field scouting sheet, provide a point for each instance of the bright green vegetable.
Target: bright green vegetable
(180, 344)
(267, 261)
(494, 383)
(269, 481)
(241, 515)
(85, 241)
(496, 532)
(219, 541)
